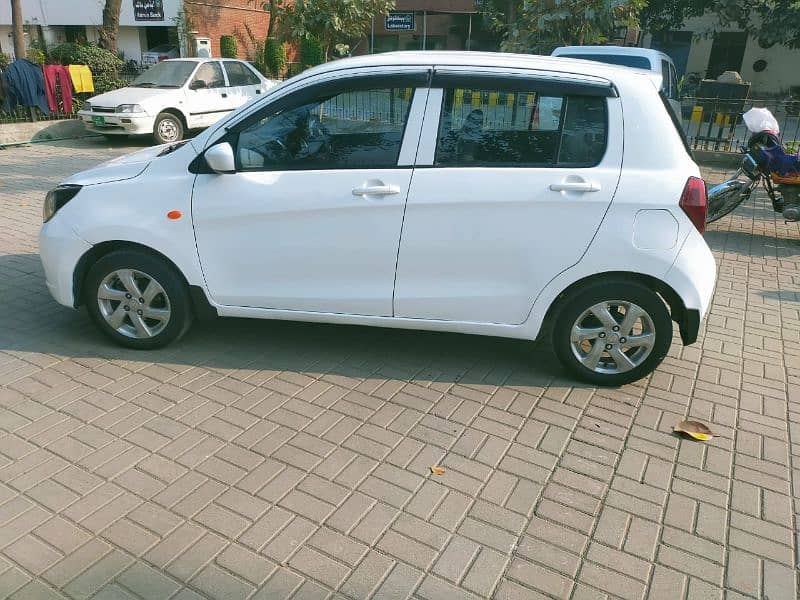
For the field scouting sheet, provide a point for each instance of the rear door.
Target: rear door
(514, 175)
(243, 83)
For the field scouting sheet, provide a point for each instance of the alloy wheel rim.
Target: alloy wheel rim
(613, 337)
(134, 304)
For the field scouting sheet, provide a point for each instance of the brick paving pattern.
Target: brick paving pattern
(278, 460)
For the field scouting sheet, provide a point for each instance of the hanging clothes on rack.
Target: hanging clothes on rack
(81, 78)
(24, 84)
(57, 77)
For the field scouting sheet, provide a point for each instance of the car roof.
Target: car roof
(481, 60)
(613, 50)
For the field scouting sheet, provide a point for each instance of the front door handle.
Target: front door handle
(224, 95)
(376, 190)
(258, 91)
(575, 186)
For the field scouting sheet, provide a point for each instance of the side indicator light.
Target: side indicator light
(174, 214)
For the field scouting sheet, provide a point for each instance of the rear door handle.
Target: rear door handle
(376, 190)
(575, 186)
(224, 95)
(258, 91)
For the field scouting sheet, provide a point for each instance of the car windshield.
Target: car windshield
(638, 62)
(167, 74)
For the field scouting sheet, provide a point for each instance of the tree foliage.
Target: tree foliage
(228, 47)
(769, 21)
(104, 65)
(274, 57)
(538, 26)
(330, 22)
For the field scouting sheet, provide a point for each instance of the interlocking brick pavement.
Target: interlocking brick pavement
(275, 460)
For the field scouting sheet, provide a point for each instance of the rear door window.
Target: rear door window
(496, 127)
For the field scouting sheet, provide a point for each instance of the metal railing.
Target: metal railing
(717, 125)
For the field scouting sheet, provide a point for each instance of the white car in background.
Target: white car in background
(175, 96)
(422, 190)
(634, 57)
(159, 53)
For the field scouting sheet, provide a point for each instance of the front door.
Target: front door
(509, 190)
(207, 96)
(311, 219)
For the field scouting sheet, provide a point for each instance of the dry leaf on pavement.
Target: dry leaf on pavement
(437, 470)
(695, 429)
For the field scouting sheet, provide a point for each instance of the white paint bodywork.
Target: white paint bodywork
(483, 251)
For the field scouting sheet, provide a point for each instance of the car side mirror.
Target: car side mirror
(198, 84)
(220, 158)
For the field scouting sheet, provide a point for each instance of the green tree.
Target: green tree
(227, 46)
(274, 57)
(330, 22)
(541, 25)
(769, 21)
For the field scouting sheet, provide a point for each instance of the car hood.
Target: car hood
(130, 95)
(123, 167)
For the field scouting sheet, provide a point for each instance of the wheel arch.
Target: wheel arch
(678, 311)
(202, 307)
(177, 112)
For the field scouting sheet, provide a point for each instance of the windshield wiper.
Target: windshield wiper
(170, 149)
(143, 84)
(167, 85)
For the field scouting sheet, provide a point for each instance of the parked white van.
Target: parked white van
(637, 58)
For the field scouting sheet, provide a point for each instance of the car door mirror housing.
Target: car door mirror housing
(220, 158)
(198, 84)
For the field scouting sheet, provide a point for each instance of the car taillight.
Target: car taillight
(695, 203)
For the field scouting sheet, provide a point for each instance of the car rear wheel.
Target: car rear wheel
(137, 300)
(612, 333)
(168, 128)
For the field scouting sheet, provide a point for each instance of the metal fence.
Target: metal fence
(717, 124)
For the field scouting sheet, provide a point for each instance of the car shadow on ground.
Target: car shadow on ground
(32, 322)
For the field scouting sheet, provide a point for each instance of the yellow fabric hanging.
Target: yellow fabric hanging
(81, 78)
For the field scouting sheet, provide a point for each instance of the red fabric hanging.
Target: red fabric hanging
(58, 74)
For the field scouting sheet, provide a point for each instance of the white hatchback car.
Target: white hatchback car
(413, 190)
(174, 96)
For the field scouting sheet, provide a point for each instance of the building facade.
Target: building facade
(144, 24)
(209, 20)
(705, 50)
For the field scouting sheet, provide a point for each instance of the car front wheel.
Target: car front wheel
(612, 333)
(168, 128)
(137, 300)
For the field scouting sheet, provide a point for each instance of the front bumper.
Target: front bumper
(60, 249)
(693, 277)
(118, 123)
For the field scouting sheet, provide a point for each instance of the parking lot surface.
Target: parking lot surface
(272, 460)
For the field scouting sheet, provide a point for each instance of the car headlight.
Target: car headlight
(86, 106)
(129, 108)
(56, 198)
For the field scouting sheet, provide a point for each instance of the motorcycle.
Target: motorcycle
(784, 195)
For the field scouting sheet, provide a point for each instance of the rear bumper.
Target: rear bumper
(693, 277)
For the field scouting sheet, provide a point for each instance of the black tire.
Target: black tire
(175, 298)
(580, 301)
(168, 122)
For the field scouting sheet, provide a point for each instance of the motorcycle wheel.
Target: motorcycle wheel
(722, 199)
